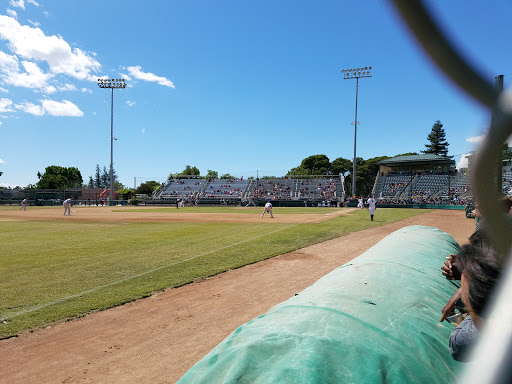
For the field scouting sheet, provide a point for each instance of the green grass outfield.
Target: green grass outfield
(57, 270)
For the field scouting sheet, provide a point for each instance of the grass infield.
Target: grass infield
(55, 270)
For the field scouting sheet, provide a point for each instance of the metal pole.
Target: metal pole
(112, 150)
(355, 141)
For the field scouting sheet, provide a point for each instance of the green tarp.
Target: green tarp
(373, 320)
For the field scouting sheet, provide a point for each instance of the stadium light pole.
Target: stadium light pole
(113, 84)
(356, 73)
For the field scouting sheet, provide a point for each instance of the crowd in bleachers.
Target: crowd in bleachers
(274, 189)
(395, 188)
(316, 188)
(426, 187)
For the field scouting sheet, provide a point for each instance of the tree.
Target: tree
(298, 171)
(190, 171)
(407, 154)
(341, 165)
(317, 164)
(97, 177)
(56, 177)
(105, 179)
(227, 176)
(148, 187)
(91, 183)
(312, 165)
(125, 193)
(437, 138)
(102, 179)
(212, 174)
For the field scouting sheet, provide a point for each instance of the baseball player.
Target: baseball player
(371, 206)
(67, 206)
(360, 202)
(24, 204)
(268, 208)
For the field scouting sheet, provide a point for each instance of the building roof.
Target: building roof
(425, 158)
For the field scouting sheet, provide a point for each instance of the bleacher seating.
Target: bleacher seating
(181, 188)
(225, 188)
(394, 185)
(275, 189)
(317, 189)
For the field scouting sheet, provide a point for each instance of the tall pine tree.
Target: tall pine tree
(437, 138)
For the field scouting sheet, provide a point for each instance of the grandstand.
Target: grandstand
(318, 191)
(422, 179)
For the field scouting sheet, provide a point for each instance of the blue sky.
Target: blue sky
(229, 85)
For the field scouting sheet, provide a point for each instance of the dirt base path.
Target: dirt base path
(156, 340)
(145, 215)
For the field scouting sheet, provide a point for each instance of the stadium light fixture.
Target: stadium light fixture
(112, 84)
(356, 73)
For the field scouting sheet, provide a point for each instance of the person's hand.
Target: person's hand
(449, 308)
(449, 269)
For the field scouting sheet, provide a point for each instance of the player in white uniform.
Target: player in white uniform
(24, 204)
(268, 208)
(360, 203)
(67, 206)
(371, 206)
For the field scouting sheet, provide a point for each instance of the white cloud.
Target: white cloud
(67, 87)
(50, 89)
(130, 103)
(12, 13)
(148, 76)
(125, 76)
(143, 130)
(33, 44)
(2, 162)
(51, 107)
(21, 3)
(3, 90)
(86, 90)
(6, 105)
(35, 23)
(33, 77)
(17, 4)
(475, 139)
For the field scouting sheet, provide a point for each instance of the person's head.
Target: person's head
(480, 271)
(479, 237)
(506, 203)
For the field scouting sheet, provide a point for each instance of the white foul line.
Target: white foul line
(41, 306)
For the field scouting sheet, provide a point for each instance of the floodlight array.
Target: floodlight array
(357, 72)
(111, 83)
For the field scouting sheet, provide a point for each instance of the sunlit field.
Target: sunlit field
(57, 270)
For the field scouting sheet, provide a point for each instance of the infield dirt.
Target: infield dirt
(137, 214)
(156, 340)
